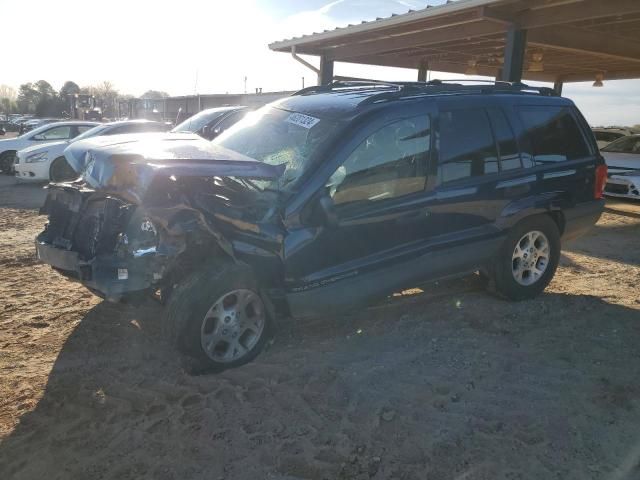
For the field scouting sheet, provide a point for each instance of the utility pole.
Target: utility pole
(245, 84)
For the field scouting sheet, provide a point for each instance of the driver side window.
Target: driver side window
(390, 163)
(55, 133)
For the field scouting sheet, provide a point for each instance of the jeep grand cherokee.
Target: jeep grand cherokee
(326, 200)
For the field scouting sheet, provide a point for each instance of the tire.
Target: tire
(193, 319)
(523, 273)
(61, 171)
(6, 162)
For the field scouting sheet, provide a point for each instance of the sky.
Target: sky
(199, 46)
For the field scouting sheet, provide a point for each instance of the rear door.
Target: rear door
(478, 172)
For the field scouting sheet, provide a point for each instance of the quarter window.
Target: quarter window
(467, 147)
(552, 134)
(390, 163)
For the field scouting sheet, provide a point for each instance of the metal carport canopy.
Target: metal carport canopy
(545, 40)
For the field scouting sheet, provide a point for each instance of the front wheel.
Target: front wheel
(528, 259)
(217, 318)
(61, 171)
(6, 162)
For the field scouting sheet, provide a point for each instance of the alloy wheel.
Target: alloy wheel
(530, 258)
(233, 326)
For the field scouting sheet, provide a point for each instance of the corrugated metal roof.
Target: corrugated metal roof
(394, 19)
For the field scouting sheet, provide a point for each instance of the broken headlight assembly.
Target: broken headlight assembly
(140, 238)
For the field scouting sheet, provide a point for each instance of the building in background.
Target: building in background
(177, 109)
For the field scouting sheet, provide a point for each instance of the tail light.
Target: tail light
(601, 181)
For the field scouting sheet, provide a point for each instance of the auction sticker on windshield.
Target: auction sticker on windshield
(302, 120)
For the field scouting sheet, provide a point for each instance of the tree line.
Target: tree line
(41, 99)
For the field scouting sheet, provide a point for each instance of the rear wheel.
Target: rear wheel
(528, 259)
(61, 171)
(217, 318)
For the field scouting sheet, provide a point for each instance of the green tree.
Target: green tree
(44, 89)
(69, 88)
(27, 98)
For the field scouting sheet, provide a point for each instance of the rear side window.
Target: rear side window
(506, 140)
(552, 134)
(467, 148)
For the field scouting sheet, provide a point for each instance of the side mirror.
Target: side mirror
(328, 211)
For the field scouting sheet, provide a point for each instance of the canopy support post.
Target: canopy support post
(557, 86)
(325, 76)
(514, 50)
(422, 71)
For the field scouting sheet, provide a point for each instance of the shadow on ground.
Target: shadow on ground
(437, 386)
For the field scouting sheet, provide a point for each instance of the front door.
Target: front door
(381, 204)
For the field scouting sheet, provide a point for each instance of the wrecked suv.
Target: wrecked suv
(325, 200)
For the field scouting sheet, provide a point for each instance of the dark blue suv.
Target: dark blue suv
(325, 200)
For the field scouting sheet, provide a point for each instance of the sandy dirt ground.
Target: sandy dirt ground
(450, 383)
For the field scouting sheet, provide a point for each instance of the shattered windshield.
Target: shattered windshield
(279, 137)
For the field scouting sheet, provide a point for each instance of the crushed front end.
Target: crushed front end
(100, 240)
(144, 214)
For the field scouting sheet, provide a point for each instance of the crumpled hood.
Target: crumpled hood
(76, 152)
(129, 163)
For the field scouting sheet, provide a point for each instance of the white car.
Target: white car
(46, 133)
(605, 136)
(623, 162)
(42, 163)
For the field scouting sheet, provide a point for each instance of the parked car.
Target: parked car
(46, 133)
(623, 160)
(604, 136)
(212, 122)
(38, 122)
(46, 162)
(326, 200)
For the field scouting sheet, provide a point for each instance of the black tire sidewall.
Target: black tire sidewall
(505, 284)
(58, 161)
(189, 303)
(5, 157)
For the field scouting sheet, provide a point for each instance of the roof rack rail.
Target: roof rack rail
(347, 84)
(403, 89)
(409, 89)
